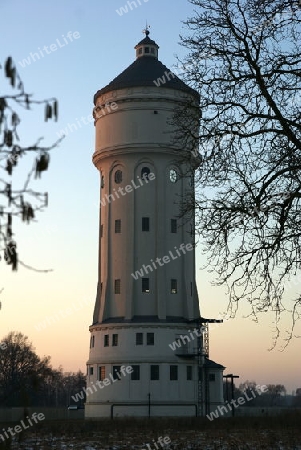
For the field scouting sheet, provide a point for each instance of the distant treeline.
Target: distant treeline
(28, 380)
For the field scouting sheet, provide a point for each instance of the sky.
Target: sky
(55, 309)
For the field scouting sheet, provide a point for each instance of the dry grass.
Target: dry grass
(276, 433)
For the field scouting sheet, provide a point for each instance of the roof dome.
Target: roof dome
(147, 70)
(146, 41)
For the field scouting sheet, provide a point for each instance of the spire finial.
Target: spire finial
(146, 29)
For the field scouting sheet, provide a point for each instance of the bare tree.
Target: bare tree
(244, 60)
(22, 371)
(22, 202)
(275, 394)
(57, 389)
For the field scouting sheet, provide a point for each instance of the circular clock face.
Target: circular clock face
(118, 176)
(173, 176)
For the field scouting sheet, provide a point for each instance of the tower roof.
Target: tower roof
(147, 40)
(147, 70)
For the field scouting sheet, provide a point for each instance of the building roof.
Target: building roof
(147, 41)
(146, 319)
(212, 364)
(146, 71)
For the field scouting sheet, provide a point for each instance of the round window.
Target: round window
(173, 176)
(118, 176)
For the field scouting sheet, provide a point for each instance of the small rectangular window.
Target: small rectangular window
(173, 286)
(135, 375)
(118, 226)
(139, 338)
(154, 372)
(116, 373)
(145, 223)
(173, 225)
(106, 340)
(150, 339)
(115, 340)
(152, 50)
(189, 373)
(102, 373)
(211, 376)
(117, 286)
(145, 285)
(146, 50)
(173, 373)
(91, 371)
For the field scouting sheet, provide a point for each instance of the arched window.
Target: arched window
(145, 173)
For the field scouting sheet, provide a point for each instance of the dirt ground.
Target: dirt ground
(277, 433)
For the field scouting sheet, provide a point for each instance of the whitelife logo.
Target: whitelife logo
(165, 78)
(24, 424)
(240, 400)
(101, 384)
(47, 50)
(161, 440)
(61, 314)
(101, 111)
(166, 259)
(124, 9)
(3, 346)
(185, 339)
(128, 188)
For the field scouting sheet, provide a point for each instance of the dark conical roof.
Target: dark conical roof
(147, 40)
(146, 71)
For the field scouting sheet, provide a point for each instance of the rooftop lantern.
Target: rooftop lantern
(147, 47)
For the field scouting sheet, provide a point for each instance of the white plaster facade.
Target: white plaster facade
(143, 184)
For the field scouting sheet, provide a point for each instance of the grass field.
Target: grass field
(282, 432)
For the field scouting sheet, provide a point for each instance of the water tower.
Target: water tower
(146, 315)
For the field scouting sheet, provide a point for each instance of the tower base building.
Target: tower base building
(147, 348)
